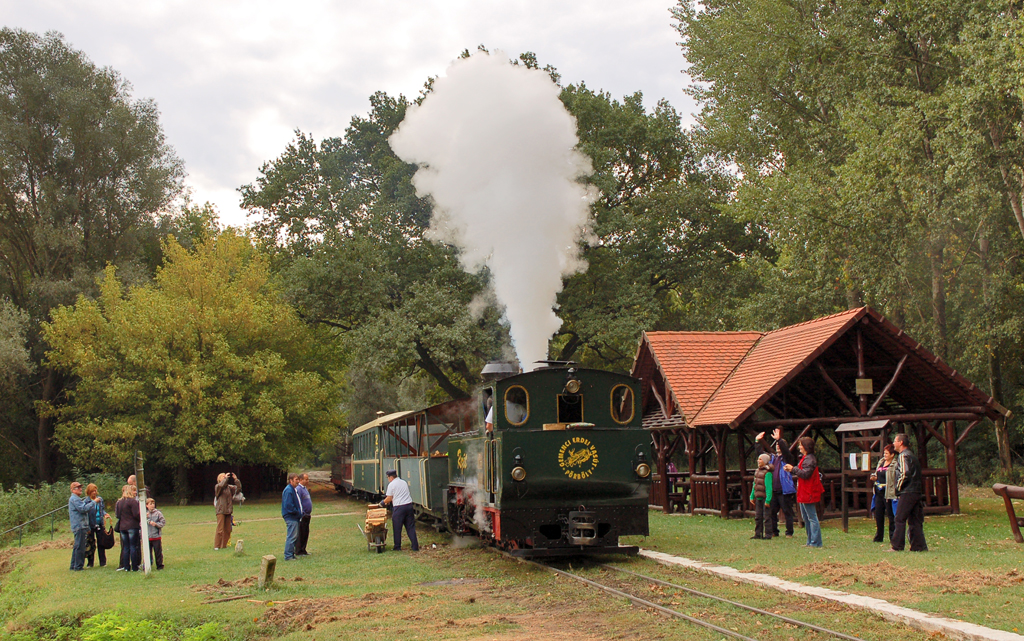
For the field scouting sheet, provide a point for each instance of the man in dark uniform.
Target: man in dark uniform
(910, 499)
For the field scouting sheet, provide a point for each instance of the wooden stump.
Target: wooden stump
(267, 568)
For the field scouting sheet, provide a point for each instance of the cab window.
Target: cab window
(517, 405)
(622, 404)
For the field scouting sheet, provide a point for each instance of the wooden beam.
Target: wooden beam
(904, 418)
(860, 370)
(967, 431)
(835, 388)
(661, 401)
(888, 386)
(935, 433)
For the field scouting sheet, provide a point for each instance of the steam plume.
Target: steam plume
(496, 150)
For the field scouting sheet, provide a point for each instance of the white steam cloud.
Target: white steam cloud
(496, 150)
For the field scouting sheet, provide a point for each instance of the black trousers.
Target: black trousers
(883, 509)
(300, 544)
(156, 553)
(785, 502)
(92, 549)
(759, 519)
(909, 522)
(405, 515)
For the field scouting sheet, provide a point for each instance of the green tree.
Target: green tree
(347, 233)
(877, 145)
(83, 169)
(206, 364)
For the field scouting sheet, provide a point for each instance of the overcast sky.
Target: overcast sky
(233, 80)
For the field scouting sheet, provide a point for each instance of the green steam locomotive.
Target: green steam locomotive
(544, 463)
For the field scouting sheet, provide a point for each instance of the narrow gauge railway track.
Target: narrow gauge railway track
(680, 615)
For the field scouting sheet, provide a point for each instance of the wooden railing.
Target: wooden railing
(700, 494)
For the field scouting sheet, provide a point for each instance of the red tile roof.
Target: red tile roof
(695, 363)
(722, 378)
(770, 364)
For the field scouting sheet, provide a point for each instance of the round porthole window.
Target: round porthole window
(622, 404)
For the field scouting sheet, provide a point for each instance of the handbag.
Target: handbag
(105, 539)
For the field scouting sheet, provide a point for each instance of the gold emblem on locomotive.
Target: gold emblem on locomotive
(578, 458)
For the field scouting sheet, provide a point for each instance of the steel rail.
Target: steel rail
(637, 600)
(737, 604)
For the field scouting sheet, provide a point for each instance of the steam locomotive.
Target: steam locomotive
(546, 463)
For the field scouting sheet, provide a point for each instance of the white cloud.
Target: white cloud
(233, 79)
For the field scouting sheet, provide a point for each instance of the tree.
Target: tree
(663, 245)
(206, 364)
(83, 169)
(877, 144)
(346, 230)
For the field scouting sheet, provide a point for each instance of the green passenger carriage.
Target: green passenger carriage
(549, 462)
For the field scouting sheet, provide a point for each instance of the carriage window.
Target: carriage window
(622, 404)
(570, 408)
(517, 405)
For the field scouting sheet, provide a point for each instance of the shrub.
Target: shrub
(21, 503)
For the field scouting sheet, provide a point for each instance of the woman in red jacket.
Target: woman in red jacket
(808, 490)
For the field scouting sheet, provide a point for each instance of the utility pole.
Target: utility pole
(140, 481)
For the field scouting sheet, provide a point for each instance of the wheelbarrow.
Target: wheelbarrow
(376, 529)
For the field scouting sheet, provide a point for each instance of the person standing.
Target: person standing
(909, 495)
(306, 503)
(79, 512)
(224, 493)
(808, 490)
(129, 520)
(761, 493)
(784, 494)
(882, 507)
(97, 525)
(291, 512)
(404, 513)
(157, 522)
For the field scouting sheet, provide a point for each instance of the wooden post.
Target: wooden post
(860, 370)
(954, 487)
(723, 481)
(691, 447)
(267, 567)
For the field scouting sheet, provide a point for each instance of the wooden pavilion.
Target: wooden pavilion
(706, 395)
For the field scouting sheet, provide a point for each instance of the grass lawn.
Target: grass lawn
(973, 571)
(342, 591)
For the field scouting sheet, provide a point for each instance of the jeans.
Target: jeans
(131, 552)
(759, 515)
(78, 550)
(809, 513)
(405, 515)
(290, 539)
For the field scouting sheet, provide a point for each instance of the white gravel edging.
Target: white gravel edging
(931, 623)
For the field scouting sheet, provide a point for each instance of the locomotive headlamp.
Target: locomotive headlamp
(572, 386)
(643, 470)
(518, 473)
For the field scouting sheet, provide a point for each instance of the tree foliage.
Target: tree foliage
(84, 170)
(879, 146)
(205, 364)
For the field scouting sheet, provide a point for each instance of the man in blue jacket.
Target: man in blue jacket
(79, 509)
(291, 512)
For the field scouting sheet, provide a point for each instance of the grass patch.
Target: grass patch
(343, 591)
(973, 571)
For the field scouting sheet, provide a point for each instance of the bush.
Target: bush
(21, 504)
(114, 626)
